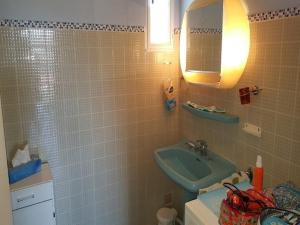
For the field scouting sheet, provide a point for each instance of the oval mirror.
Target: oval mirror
(214, 42)
(204, 38)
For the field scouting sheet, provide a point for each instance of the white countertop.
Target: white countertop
(44, 176)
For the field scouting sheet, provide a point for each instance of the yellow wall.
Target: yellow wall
(5, 205)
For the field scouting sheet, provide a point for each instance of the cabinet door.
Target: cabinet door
(41, 213)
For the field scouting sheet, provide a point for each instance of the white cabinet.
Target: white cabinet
(190, 219)
(38, 214)
(196, 213)
(33, 200)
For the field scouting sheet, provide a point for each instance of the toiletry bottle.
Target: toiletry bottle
(258, 174)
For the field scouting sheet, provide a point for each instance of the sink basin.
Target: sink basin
(191, 170)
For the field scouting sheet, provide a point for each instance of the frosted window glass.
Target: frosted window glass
(160, 23)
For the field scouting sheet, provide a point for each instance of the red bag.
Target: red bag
(243, 207)
(232, 216)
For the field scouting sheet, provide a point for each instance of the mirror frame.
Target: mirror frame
(235, 46)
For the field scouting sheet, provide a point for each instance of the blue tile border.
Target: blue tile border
(69, 26)
(264, 16)
(276, 14)
(205, 30)
(177, 30)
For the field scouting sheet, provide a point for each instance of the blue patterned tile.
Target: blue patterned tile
(205, 30)
(276, 14)
(69, 25)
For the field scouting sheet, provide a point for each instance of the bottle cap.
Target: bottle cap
(259, 161)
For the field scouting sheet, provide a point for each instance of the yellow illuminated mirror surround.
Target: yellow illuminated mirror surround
(234, 49)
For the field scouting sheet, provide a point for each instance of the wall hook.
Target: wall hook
(255, 90)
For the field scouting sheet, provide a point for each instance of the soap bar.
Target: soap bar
(25, 170)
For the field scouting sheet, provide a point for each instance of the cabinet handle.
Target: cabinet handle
(25, 198)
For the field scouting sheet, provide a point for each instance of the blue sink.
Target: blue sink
(191, 170)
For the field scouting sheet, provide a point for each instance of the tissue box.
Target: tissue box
(20, 172)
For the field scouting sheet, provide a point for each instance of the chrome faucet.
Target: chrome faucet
(200, 146)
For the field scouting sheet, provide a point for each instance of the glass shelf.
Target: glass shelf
(221, 117)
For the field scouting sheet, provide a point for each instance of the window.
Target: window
(159, 24)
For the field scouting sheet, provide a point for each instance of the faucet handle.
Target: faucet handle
(190, 144)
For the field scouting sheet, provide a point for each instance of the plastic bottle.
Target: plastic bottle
(258, 174)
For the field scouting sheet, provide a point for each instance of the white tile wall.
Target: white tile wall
(91, 103)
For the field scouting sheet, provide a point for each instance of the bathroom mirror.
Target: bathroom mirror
(204, 38)
(214, 42)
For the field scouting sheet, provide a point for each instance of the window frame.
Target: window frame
(159, 47)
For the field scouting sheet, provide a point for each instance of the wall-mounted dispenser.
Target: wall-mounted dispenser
(169, 95)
